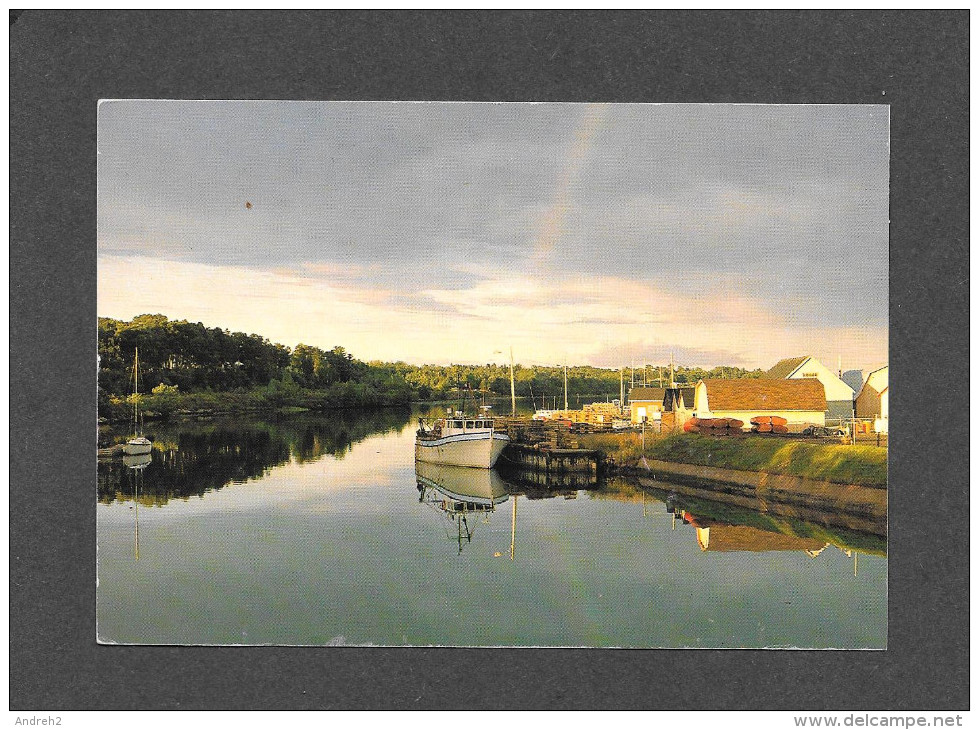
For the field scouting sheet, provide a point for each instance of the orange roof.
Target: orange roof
(743, 394)
(738, 538)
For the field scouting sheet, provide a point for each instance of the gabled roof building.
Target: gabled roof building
(839, 395)
(799, 401)
(644, 402)
(872, 400)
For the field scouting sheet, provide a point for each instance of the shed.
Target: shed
(644, 402)
(869, 403)
(800, 401)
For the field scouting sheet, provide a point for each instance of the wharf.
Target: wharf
(546, 448)
(544, 461)
(110, 451)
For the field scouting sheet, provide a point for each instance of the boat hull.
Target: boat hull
(137, 446)
(479, 450)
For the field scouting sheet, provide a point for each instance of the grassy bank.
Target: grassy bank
(256, 400)
(863, 465)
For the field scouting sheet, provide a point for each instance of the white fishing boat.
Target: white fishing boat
(460, 441)
(137, 443)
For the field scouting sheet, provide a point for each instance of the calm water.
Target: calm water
(317, 530)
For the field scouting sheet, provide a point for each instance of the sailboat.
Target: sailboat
(137, 444)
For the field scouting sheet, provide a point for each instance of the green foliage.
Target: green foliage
(191, 363)
(194, 360)
(545, 384)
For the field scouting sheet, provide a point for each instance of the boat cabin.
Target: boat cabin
(465, 425)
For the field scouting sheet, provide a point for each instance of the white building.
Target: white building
(872, 400)
(839, 395)
(800, 402)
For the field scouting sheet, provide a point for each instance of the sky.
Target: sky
(599, 234)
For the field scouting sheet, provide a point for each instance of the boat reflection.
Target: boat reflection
(136, 463)
(463, 495)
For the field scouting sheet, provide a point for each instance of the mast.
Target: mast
(136, 506)
(621, 389)
(513, 391)
(565, 385)
(672, 375)
(513, 527)
(136, 393)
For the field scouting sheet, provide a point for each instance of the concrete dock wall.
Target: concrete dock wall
(867, 502)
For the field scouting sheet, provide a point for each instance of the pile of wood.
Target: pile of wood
(769, 424)
(714, 426)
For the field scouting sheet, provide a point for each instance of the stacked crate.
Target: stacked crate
(543, 434)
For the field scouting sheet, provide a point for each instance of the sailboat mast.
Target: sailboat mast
(136, 393)
(513, 390)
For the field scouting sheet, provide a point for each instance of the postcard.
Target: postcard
(492, 374)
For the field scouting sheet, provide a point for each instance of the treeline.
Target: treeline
(543, 384)
(182, 365)
(187, 366)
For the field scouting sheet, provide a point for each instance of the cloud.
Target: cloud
(565, 227)
(587, 320)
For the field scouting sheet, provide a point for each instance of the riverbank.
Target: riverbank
(864, 466)
(268, 400)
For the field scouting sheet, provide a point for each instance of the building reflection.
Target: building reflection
(728, 536)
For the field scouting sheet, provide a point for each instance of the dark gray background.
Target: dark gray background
(62, 62)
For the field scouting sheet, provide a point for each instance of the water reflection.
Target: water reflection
(466, 496)
(192, 458)
(725, 525)
(461, 494)
(362, 548)
(136, 464)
